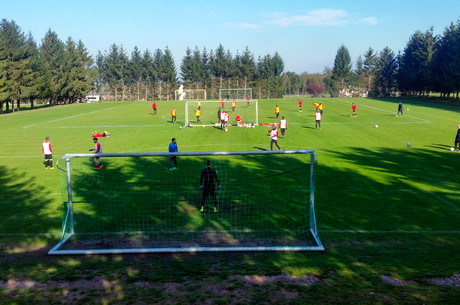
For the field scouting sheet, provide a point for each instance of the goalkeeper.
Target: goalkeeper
(208, 176)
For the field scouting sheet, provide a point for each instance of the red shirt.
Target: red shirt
(300, 103)
(154, 105)
(238, 118)
(353, 107)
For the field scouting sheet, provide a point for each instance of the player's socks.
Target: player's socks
(202, 210)
(51, 163)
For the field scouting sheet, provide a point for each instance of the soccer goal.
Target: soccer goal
(247, 110)
(237, 93)
(190, 94)
(135, 204)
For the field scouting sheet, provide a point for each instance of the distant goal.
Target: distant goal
(248, 111)
(190, 94)
(135, 204)
(237, 93)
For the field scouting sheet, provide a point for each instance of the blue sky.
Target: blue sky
(305, 33)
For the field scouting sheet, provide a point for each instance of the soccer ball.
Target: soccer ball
(204, 126)
(376, 126)
(407, 109)
(180, 127)
(452, 149)
(409, 144)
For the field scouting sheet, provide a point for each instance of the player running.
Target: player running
(282, 126)
(47, 153)
(154, 107)
(400, 109)
(318, 119)
(207, 186)
(97, 150)
(273, 133)
(277, 111)
(248, 101)
(300, 105)
(233, 105)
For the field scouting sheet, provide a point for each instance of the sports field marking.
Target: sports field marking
(392, 231)
(383, 110)
(70, 117)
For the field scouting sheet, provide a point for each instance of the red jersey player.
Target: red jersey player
(97, 150)
(48, 153)
(273, 133)
(353, 108)
(154, 107)
(300, 105)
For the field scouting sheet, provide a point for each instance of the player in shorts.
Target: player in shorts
(48, 153)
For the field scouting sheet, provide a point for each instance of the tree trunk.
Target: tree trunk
(138, 90)
(7, 106)
(31, 103)
(220, 82)
(18, 103)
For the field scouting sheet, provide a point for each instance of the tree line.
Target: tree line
(63, 72)
(428, 63)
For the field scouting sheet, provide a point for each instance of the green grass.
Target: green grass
(383, 209)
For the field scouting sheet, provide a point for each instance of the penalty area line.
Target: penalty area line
(389, 111)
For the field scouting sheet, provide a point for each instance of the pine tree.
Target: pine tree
(342, 67)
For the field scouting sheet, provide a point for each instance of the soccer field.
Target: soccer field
(383, 208)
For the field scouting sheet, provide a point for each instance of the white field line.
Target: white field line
(392, 231)
(389, 111)
(30, 234)
(70, 117)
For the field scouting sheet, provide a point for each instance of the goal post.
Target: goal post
(247, 110)
(135, 204)
(190, 94)
(235, 93)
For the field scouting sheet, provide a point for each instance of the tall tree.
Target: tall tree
(52, 50)
(342, 67)
(386, 67)
(369, 66)
(170, 74)
(135, 70)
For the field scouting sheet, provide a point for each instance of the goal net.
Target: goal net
(237, 93)
(190, 94)
(135, 204)
(248, 111)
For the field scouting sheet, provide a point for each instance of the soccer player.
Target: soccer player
(173, 115)
(97, 150)
(277, 111)
(222, 119)
(273, 133)
(238, 118)
(247, 101)
(197, 113)
(223, 103)
(318, 119)
(199, 105)
(226, 119)
(96, 134)
(316, 105)
(320, 108)
(282, 126)
(353, 109)
(300, 105)
(400, 109)
(207, 186)
(47, 153)
(154, 106)
(457, 139)
(172, 149)
(233, 105)
(218, 114)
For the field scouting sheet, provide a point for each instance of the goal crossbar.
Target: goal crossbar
(69, 230)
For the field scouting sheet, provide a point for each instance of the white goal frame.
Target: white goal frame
(189, 122)
(188, 92)
(68, 220)
(247, 92)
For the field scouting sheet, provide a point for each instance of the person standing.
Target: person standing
(199, 105)
(207, 186)
(218, 114)
(173, 149)
(273, 133)
(222, 119)
(97, 150)
(198, 113)
(248, 100)
(400, 109)
(173, 115)
(47, 153)
(222, 102)
(154, 106)
(320, 108)
(282, 126)
(300, 105)
(353, 109)
(457, 139)
(318, 119)
(277, 111)
(233, 105)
